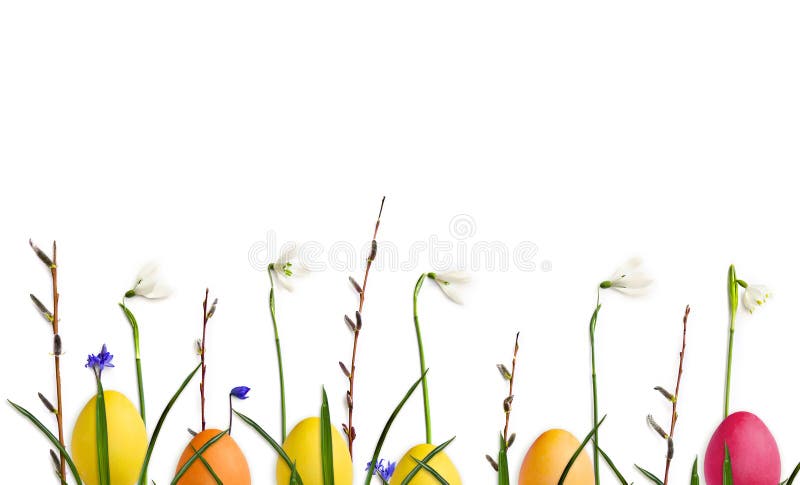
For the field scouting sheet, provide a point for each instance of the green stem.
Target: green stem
(425, 399)
(278, 352)
(137, 354)
(733, 306)
(595, 412)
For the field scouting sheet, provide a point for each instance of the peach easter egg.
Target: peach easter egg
(224, 457)
(548, 456)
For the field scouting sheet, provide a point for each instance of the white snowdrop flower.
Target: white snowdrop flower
(754, 295)
(148, 284)
(449, 282)
(628, 279)
(285, 269)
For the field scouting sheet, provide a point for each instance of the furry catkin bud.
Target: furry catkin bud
(213, 309)
(42, 309)
(350, 323)
(504, 371)
(345, 370)
(492, 462)
(356, 286)
(45, 258)
(658, 429)
(667, 395)
(507, 404)
(511, 440)
(47, 404)
(358, 320)
(670, 449)
(57, 345)
(373, 251)
(191, 431)
(56, 461)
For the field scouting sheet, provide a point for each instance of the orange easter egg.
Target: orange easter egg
(548, 456)
(224, 456)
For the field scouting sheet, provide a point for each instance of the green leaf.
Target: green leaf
(274, 444)
(425, 460)
(50, 437)
(430, 470)
(649, 475)
(612, 466)
(727, 472)
(196, 455)
(793, 475)
(208, 467)
(502, 463)
(294, 478)
(101, 435)
(326, 441)
(386, 428)
(695, 475)
(578, 452)
(157, 430)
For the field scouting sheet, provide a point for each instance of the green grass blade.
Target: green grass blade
(613, 467)
(502, 464)
(274, 444)
(649, 475)
(386, 428)
(425, 460)
(793, 475)
(101, 436)
(430, 470)
(695, 475)
(208, 467)
(578, 452)
(326, 441)
(727, 472)
(294, 478)
(50, 436)
(196, 455)
(157, 430)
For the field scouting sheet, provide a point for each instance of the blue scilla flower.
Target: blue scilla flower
(240, 392)
(100, 361)
(384, 471)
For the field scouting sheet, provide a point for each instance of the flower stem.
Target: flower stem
(425, 398)
(57, 364)
(278, 352)
(595, 413)
(230, 413)
(733, 305)
(138, 356)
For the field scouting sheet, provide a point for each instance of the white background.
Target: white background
(185, 131)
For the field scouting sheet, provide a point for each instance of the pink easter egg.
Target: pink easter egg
(754, 453)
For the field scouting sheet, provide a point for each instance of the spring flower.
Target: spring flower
(449, 282)
(284, 269)
(148, 284)
(754, 295)
(384, 471)
(628, 279)
(100, 361)
(240, 392)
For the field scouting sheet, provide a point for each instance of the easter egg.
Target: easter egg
(754, 453)
(440, 462)
(548, 456)
(127, 440)
(224, 457)
(302, 445)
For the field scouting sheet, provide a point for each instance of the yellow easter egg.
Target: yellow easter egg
(548, 456)
(440, 462)
(303, 447)
(127, 440)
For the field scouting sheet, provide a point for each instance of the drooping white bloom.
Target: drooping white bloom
(628, 279)
(148, 284)
(449, 282)
(755, 295)
(285, 269)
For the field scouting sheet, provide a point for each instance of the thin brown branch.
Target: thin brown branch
(511, 388)
(677, 390)
(203, 366)
(57, 363)
(350, 431)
